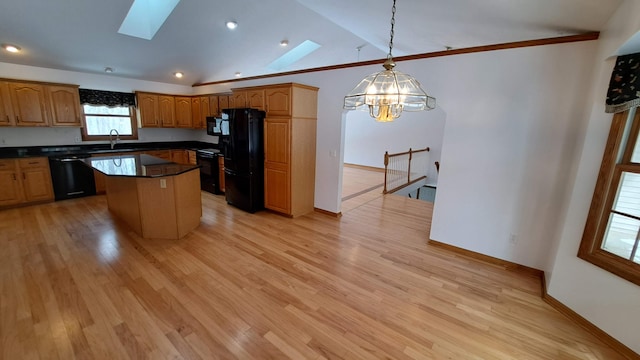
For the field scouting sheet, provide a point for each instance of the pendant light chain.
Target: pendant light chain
(393, 23)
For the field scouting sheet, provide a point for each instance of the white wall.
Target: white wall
(366, 140)
(609, 302)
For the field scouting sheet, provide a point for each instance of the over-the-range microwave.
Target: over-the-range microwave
(217, 126)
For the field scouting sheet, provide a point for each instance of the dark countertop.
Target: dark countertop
(137, 165)
(65, 150)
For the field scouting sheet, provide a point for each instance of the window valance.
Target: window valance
(624, 86)
(106, 98)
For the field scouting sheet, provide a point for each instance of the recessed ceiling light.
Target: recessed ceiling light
(108, 70)
(232, 25)
(11, 48)
(238, 74)
(178, 74)
(284, 43)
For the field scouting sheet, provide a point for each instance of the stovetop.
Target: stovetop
(209, 151)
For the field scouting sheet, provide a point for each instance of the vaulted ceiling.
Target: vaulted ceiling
(82, 35)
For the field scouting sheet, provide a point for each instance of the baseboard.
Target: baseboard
(616, 345)
(607, 339)
(325, 212)
(364, 167)
(507, 265)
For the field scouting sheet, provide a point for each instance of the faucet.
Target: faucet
(111, 137)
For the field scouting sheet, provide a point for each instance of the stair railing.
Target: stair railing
(404, 169)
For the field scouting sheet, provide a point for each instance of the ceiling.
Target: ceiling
(82, 35)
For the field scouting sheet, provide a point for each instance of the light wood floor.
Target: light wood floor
(77, 284)
(360, 186)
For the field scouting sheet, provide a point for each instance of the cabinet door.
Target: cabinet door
(205, 111)
(191, 157)
(28, 102)
(183, 112)
(277, 187)
(179, 156)
(278, 101)
(10, 189)
(148, 104)
(6, 110)
(214, 109)
(255, 99)
(238, 100)
(196, 113)
(65, 105)
(167, 109)
(37, 184)
(223, 102)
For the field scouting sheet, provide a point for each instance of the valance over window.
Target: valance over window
(624, 87)
(106, 98)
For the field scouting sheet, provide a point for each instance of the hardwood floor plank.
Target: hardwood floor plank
(77, 283)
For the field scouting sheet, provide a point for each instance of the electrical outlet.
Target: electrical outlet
(513, 239)
(77, 139)
(3, 141)
(163, 183)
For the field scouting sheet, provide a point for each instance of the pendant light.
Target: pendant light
(387, 93)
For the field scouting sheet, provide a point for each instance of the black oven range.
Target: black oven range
(209, 172)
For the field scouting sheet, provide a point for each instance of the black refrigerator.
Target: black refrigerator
(243, 151)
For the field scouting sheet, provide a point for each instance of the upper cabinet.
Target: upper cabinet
(255, 99)
(238, 100)
(65, 105)
(278, 101)
(223, 102)
(149, 109)
(29, 104)
(6, 110)
(214, 109)
(196, 112)
(183, 112)
(167, 110)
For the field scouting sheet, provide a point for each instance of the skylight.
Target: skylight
(145, 17)
(293, 55)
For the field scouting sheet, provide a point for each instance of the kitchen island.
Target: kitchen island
(157, 198)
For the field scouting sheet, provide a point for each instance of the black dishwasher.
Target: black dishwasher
(70, 177)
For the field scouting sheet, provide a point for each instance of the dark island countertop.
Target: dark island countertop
(137, 165)
(70, 150)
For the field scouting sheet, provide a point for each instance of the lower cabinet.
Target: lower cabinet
(179, 156)
(24, 181)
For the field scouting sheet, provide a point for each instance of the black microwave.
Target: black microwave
(217, 126)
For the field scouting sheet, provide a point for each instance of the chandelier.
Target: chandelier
(388, 93)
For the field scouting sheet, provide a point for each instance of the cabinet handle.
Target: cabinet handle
(17, 118)
(33, 163)
(24, 177)
(14, 177)
(8, 119)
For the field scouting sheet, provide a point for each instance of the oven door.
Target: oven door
(208, 173)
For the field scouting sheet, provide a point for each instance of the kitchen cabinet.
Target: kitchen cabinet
(221, 172)
(290, 148)
(255, 99)
(191, 157)
(24, 181)
(28, 101)
(238, 100)
(149, 109)
(214, 108)
(167, 109)
(179, 156)
(6, 110)
(183, 112)
(223, 102)
(200, 109)
(64, 101)
(196, 112)
(10, 184)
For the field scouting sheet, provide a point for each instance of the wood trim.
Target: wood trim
(610, 341)
(409, 152)
(364, 167)
(507, 265)
(512, 45)
(326, 212)
(37, 82)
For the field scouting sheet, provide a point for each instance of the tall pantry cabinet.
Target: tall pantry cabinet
(290, 148)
